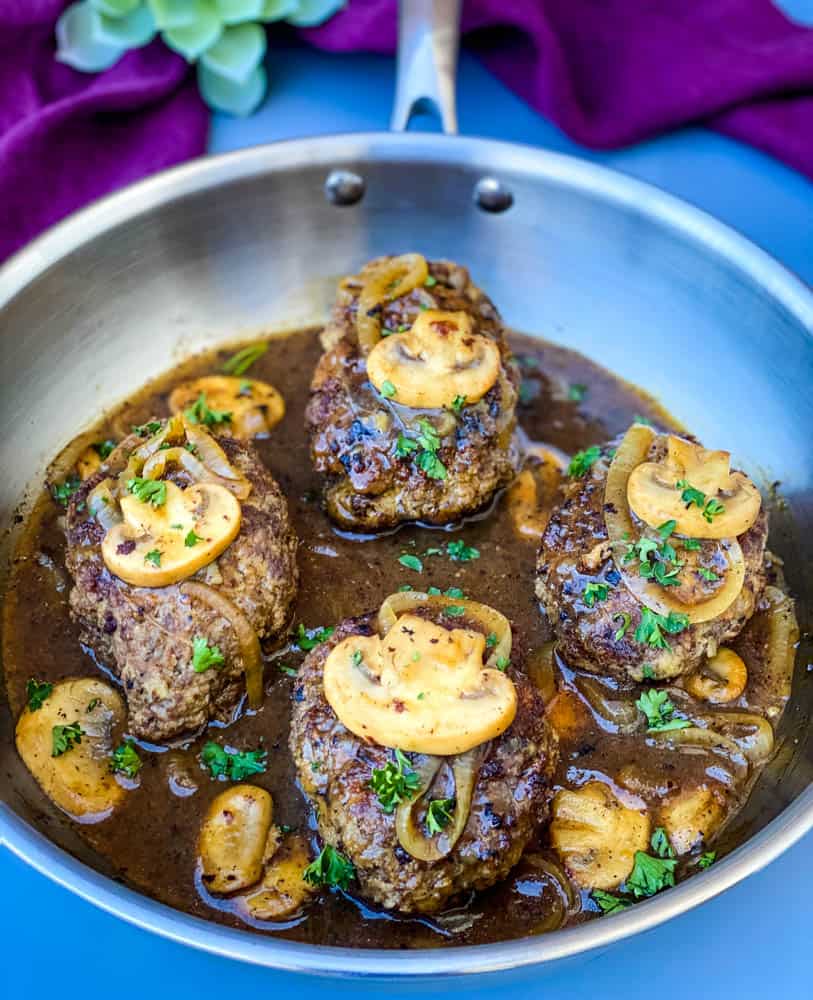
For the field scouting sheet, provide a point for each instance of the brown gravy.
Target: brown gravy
(151, 839)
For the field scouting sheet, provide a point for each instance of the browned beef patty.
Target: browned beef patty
(144, 635)
(575, 551)
(354, 431)
(509, 806)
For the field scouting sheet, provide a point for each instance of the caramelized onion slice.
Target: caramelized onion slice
(490, 620)
(541, 669)
(752, 733)
(247, 641)
(382, 282)
(102, 504)
(782, 639)
(631, 452)
(694, 739)
(616, 714)
(156, 467)
(411, 836)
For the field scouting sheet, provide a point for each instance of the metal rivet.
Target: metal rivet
(343, 187)
(492, 195)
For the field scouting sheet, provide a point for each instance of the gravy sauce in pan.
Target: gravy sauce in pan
(567, 402)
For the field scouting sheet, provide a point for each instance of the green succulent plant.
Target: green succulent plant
(226, 38)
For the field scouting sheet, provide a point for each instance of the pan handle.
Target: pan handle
(428, 40)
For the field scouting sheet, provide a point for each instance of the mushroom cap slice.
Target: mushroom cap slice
(79, 780)
(439, 359)
(233, 838)
(209, 511)
(254, 407)
(655, 492)
(422, 688)
(596, 835)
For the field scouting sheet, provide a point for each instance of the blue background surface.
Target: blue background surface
(754, 940)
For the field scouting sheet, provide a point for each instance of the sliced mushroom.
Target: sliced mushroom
(77, 778)
(155, 546)
(691, 817)
(254, 407)
(88, 463)
(437, 361)
(654, 493)
(382, 281)
(722, 678)
(596, 835)
(233, 838)
(283, 892)
(422, 688)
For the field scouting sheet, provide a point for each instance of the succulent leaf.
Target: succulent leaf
(192, 41)
(172, 14)
(77, 42)
(129, 31)
(239, 11)
(115, 8)
(237, 53)
(223, 94)
(310, 13)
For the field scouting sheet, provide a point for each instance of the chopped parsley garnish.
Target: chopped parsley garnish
(595, 592)
(648, 672)
(576, 392)
(582, 461)
(666, 529)
(153, 557)
(624, 619)
(36, 692)
(502, 663)
(357, 658)
(491, 640)
(430, 282)
(394, 783)
(232, 764)
(103, 448)
(191, 539)
(148, 429)
(439, 815)
(62, 492)
(404, 446)
(201, 413)
(657, 562)
(92, 704)
(152, 491)
(457, 404)
(239, 363)
(454, 592)
(205, 656)
(426, 445)
(64, 738)
(652, 626)
(659, 710)
(638, 419)
(411, 562)
(331, 868)
(454, 610)
(308, 639)
(125, 759)
(287, 670)
(653, 874)
(692, 544)
(708, 574)
(388, 390)
(706, 860)
(458, 551)
(608, 903)
(710, 507)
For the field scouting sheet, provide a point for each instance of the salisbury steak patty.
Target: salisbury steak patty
(145, 635)
(576, 552)
(372, 481)
(509, 805)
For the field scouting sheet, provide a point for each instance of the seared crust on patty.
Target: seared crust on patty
(509, 806)
(354, 431)
(145, 635)
(575, 551)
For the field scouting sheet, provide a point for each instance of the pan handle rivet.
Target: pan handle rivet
(492, 195)
(343, 187)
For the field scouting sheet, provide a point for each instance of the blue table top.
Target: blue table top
(53, 941)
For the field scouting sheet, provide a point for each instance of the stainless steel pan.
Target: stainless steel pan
(232, 245)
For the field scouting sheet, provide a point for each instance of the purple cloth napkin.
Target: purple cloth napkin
(612, 72)
(608, 72)
(68, 137)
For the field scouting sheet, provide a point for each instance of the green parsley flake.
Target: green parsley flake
(652, 625)
(239, 363)
(65, 738)
(502, 663)
(36, 692)
(357, 658)
(491, 640)
(411, 562)
(651, 875)
(576, 392)
(62, 492)
(331, 868)
(103, 448)
(458, 551)
(582, 461)
(706, 860)
(692, 544)
(308, 639)
(201, 413)
(457, 404)
(153, 557)
(710, 507)
(624, 619)
(125, 760)
(708, 574)
(595, 592)
(285, 669)
(659, 710)
(395, 783)
(148, 429)
(454, 610)
(205, 656)
(191, 539)
(151, 491)
(439, 814)
(430, 282)
(232, 764)
(608, 903)
(388, 390)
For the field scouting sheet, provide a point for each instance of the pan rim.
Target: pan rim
(493, 157)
